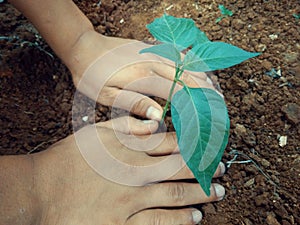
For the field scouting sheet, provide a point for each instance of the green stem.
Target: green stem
(177, 75)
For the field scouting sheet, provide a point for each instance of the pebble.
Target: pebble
(209, 209)
(85, 118)
(247, 221)
(267, 65)
(292, 112)
(240, 129)
(108, 7)
(261, 200)
(271, 220)
(238, 24)
(265, 163)
(282, 141)
(249, 182)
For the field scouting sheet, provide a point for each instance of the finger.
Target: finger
(190, 78)
(162, 216)
(186, 173)
(156, 77)
(196, 81)
(167, 70)
(131, 101)
(176, 194)
(157, 85)
(168, 144)
(131, 125)
(162, 144)
(163, 75)
(160, 147)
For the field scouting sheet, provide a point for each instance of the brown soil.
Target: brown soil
(36, 93)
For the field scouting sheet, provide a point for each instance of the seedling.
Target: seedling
(297, 16)
(199, 115)
(225, 12)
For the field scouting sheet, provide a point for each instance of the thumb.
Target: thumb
(130, 125)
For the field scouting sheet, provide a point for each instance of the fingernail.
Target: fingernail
(222, 168)
(197, 216)
(153, 113)
(148, 121)
(208, 80)
(220, 94)
(220, 191)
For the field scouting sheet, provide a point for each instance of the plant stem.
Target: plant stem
(177, 75)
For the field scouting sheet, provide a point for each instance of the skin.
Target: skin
(58, 186)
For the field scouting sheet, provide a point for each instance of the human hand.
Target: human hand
(106, 69)
(71, 192)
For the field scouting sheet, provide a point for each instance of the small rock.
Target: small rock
(249, 182)
(282, 141)
(267, 65)
(261, 200)
(241, 4)
(238, 24)
(85, 118)
(209, 209)
(265, 163)
(296, 164)
(291, 57)
(250, 139)
(247, 221)
(271, 220)
(108, 7)
(240, 129)
(225, 22)
(281, 211)
(284, 222)
(260, 48)
(273, 36)
(292, 112)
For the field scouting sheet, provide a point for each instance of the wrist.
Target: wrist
(88, 47)
(83, 52)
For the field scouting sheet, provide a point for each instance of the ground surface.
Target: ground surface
(36, 93)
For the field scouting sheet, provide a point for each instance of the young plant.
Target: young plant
(199, 115)
(297, 16)
(225, 12)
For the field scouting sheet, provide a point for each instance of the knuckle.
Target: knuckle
(176, 192)
(140, 107)
(107, 96)
(157, 219)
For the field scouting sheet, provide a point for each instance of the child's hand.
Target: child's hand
(110, 173)
(111, 71)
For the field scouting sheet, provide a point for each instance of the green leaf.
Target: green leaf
(219, 19)
(165, 50)
(200, 38)
(225, 11)
(201, 122)
(180, 32)
(212, 56)
(297, 16)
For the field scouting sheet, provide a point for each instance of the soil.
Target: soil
(36, 92)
